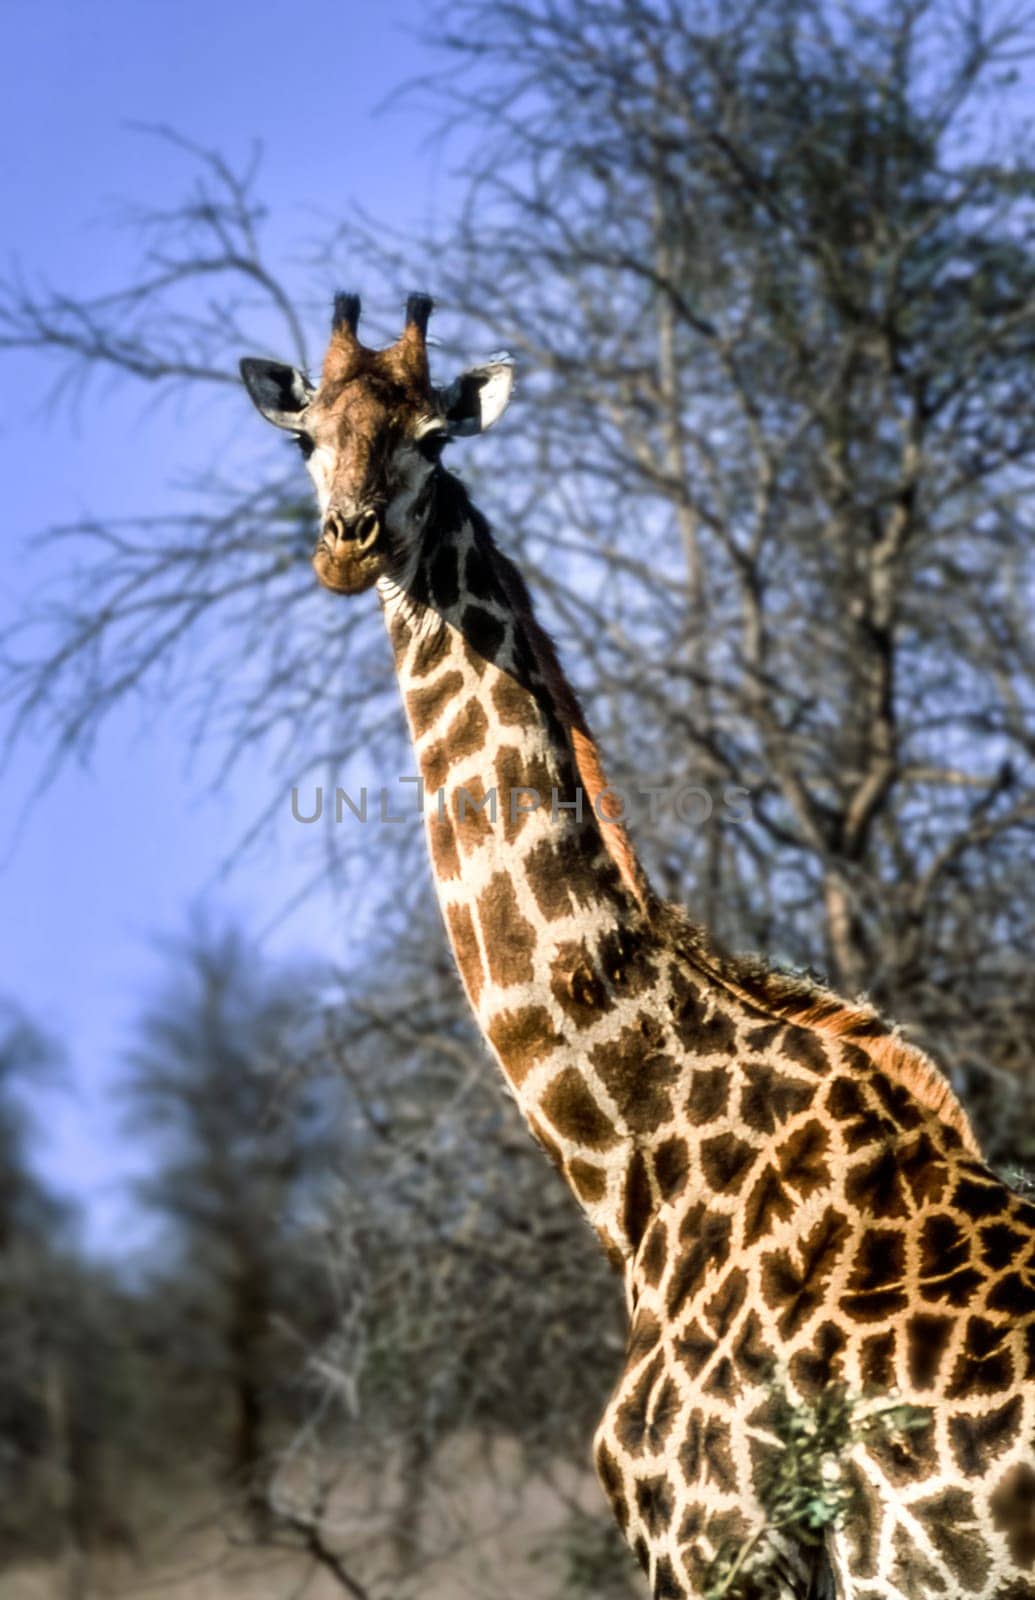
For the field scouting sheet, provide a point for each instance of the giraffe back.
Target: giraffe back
(824, 1232)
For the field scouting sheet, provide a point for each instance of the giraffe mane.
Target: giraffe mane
(588, 761)
(814, 1006)
(809, 1004)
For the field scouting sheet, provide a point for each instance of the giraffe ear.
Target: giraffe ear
(478, 398)
(279, 392)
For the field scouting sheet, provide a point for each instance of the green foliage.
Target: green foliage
(803, 1483)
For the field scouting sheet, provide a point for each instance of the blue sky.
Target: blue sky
(112, 855)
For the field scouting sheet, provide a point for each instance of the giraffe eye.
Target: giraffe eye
(305, 444)
(431, 444)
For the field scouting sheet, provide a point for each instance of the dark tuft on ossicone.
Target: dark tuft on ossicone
(418, 309)
(346, 311)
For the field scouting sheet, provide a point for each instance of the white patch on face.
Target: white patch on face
(320, 466)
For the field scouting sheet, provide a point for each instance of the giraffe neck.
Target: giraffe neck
(545, 905)
(636, 1052)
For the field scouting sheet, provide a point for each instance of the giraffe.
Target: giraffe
(792, 1193)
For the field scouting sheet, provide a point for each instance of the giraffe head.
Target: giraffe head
(371, 433)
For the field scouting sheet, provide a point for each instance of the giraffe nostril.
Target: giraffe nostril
(359, 532)
(367, 528)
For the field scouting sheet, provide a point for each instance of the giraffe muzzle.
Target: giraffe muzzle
(351, 535)
(346, 558)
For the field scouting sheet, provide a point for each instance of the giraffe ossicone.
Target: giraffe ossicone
(793, 1195)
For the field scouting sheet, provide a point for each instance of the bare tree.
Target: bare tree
(243, 1142)
(769, 279)
(770, 270)
(30, 1059)
(473, 1309)
(60, 1332)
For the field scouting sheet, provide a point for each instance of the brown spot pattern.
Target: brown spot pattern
(701, 1025)
(819, 1365)
(648, 1414)
(876, 1187)
(588, 1181)
(522, 1038)
(431, 651)
(643, 1337)
(912, 1573)
(709, 1095)
(638, 1203)
(425, 706)
(847, 1104)
(694, 1348)
(724, 1306)
(984, 1365)
(805, 1048)
(671, 1167)
(624, 958)
(465, 735)
(705, 1239)
(875, 1288)
(514, 773)
(948, 1519)
(767, 1202)
(977, 1441)
(654, 1502)
(508, 938)
(637, 1075)
(706, 1455)
(558, 872)
(609, 1473)
(574, 1112)
(794, 1284)
(655, 1253)
(445, 858)
(435, 764)
(576, 985)
(726, 1161)
(905, 1455)
(927, 1338)
(945, 1270)
(751, 1352)
(877, 1360)
(1013, 1512)
(465, 947)
(514, 705)
(473, 813)
(769, 1098)
(400, 634)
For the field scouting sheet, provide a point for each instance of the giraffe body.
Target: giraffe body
(830, 1232)
(794, 1198)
